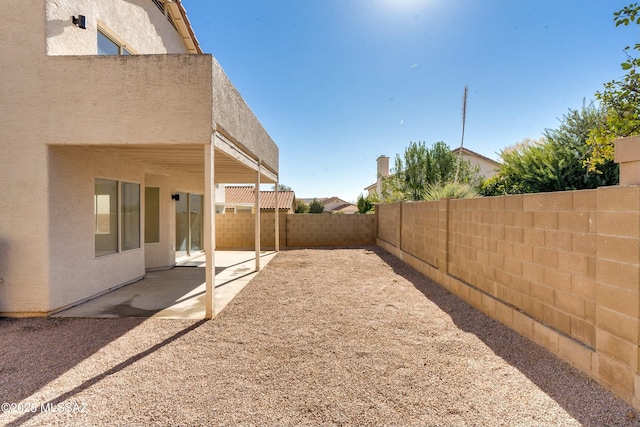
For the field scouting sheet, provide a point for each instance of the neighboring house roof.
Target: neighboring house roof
(241, 195)
(334, 204)
(347, 208)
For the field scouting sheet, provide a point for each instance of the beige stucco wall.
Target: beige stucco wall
(75, 272)
(235, 119)
(156, 254)
(23, 221)
(144, 99)
(487, 169)
(145, 29)
(56, 109)
(46, 248)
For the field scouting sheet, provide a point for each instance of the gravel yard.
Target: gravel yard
(319, 337)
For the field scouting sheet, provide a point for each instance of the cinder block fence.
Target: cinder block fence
(237, 231)
(562, 269)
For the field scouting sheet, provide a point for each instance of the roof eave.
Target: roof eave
(181, 21)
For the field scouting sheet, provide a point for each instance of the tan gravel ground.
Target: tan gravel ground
(319, 337)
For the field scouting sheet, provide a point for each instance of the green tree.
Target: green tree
(452, 189)
(301, 206)
(316, 207)
(556, 162)
(281, 187)
(422, 166)
(364, 204)
(620, 100)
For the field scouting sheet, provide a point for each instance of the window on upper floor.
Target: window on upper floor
(108, 46)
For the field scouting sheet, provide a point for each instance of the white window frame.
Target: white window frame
(119, 217)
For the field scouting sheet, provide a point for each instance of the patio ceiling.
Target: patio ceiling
(189, 159)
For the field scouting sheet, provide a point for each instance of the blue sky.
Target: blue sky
(336, 83)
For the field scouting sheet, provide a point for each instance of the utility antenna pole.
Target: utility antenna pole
(464, 120)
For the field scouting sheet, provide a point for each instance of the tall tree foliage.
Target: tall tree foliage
(301, 206)
(619, 98)
(364, 204)
(556, 162)
(316, 206)
(422, 166)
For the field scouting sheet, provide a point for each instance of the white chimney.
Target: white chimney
(383, 172)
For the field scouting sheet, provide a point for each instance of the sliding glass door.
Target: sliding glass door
(189, 224)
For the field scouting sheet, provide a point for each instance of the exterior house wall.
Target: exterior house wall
(162, 254)
(562, 269)
(142, 99)
(234, 119)
(24, 236)
(487, 169)
(75, 272)
(145, 29)
(69, 116)
(78, 101)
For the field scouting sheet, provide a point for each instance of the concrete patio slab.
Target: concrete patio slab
(178, 293)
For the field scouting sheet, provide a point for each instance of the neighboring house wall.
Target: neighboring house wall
(562, 269)
(335, 205)
(488, 167)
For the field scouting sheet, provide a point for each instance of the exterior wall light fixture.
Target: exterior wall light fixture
(80, 21)
(175, 197)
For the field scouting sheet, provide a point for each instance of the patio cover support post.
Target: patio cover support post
(209, 231)
(257, 237)
(277, 224)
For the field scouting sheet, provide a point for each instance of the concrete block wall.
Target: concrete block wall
(617, 289)
(309, 230)
(560, 268)
(389, 230)
(419, 233)
(237, 231)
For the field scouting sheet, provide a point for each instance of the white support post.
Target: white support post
(257, 237)
(209, 231)
(277, 222)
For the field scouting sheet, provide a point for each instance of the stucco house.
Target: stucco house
(487, 167)
(116, 131)
(337, 205)
(334, 205)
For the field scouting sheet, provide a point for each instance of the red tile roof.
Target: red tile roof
(243, 195)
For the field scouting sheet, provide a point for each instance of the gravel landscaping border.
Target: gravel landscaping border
(318, 337)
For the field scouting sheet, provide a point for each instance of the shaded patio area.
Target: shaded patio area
(178, 293)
